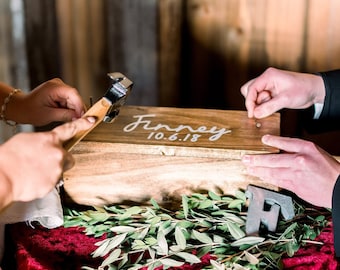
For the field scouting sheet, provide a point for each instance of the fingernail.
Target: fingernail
(91, 119)
(246, 159)
(265, 138)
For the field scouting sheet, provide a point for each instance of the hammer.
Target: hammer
(107, 108)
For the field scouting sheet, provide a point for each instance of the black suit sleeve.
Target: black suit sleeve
(331, 109)
(336, 216)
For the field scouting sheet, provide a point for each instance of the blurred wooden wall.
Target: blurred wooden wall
(192, 53)
(183, 52)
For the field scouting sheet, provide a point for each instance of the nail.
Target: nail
(91, 119)
(265, 138)
(246, 159)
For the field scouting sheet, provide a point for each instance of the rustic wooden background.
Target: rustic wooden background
(185, 53)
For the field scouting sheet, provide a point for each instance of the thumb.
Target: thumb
(267, 106)
(68, 130)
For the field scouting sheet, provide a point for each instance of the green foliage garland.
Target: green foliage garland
(151, 236)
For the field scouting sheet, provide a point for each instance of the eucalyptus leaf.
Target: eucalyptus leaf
(214, 196)
(100, 250)
(175, 248)
(171, 262)
(180, 238)
(251, 258)
(152, 253)
(216, 265)
(98, 216)
(218, 239)
(237, 203)
(143, 233)
(134, 210)
(114, 256)
(138, 245)
(205, 204)
(154, 204)
(235, 230)
(202, 237)
(199, 196)
(241, 195)
(188, 257)
(114, 242)
(123, 261)
(185, 224)
(162, 243)
(248, 240)
(185, 206)
(122, 229)
(150, 241)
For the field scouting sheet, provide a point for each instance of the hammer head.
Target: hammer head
(117, 93)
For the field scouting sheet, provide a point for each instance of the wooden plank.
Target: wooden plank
(170, 21)
(216, 129)
(323, 35)
(133, 46)
(120, 178)
(5, 59)
(174, 151)
(41, 40)
(5, 37)
(82, 41)
(284, 44)
(64, 11)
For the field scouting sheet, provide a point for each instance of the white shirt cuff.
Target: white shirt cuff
(317, 110)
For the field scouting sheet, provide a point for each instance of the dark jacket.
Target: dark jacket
(331, 110)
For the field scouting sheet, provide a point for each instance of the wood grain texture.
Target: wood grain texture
(170, 21)
(127, 162)
(133, 46)
(145, 120)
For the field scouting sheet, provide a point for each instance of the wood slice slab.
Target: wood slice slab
(162, 153)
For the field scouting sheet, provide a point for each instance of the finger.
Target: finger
(61, 115)
(275, 176)
(67, 131)
(251, 97)
(67, 96)
(71, 100)
(263, 97)
(268, 160)
(244, 88)
(292, 145)
(68, 161)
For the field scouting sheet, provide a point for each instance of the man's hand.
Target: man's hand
(303, 168)
(276, 89)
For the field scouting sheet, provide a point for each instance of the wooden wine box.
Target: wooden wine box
(162, 153)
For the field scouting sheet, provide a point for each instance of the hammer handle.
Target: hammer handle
(98, 110)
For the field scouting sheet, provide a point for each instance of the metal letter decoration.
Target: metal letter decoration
(259, 198)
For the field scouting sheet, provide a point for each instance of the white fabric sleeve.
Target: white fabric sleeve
(317, 110)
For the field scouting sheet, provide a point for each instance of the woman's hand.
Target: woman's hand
(303, 168)
(277, 89)
(32, 163)
(52, 101)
